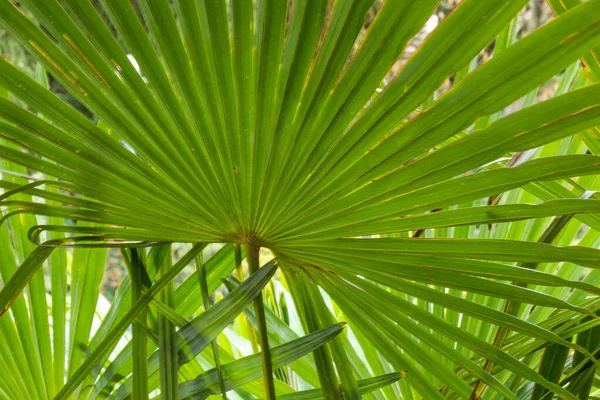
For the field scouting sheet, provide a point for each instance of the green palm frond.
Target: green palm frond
(410, 194)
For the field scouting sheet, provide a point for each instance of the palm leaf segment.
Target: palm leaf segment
(266, 124)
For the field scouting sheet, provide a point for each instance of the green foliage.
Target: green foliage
(426, 201)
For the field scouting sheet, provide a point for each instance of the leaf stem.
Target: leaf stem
(167, 346)
(252, 253)
(139, 339)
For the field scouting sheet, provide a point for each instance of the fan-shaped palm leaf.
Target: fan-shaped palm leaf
(286, 125)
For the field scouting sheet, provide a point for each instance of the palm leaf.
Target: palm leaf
(295, 126)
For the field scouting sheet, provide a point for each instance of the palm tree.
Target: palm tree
(456, 239)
